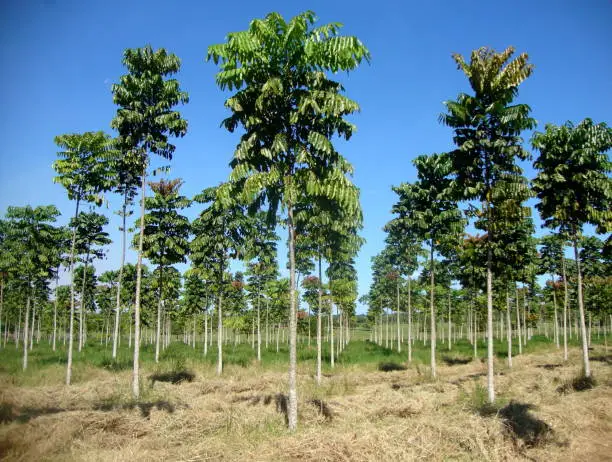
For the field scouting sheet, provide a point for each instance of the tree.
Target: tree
(429, 212)
(551, 257)
(83, 169)
(487, 134)
(127, 177)
(219, 236)
(89, 235)
(289, 110)
(403, 249)
(31, 236)
(574, 188)
(261, 250)
(145, 120)
(166, 234)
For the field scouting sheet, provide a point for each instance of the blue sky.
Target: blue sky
(61, 57)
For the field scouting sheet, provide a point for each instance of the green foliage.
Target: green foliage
(573, 184)
(83, 166)
(146, 97)
(166, 231)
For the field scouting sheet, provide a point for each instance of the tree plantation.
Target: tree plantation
(483, 335)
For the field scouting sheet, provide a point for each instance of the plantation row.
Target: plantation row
(439, 281)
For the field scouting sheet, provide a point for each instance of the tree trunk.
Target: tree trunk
(565, 306)
(432, 310)
(409, 322)
(220, 333)
(490, 378)
(136, 370)
(583, 331)
(518, 322)
(331, 334)
(399, 343)
(33, 322)
(450, 325)
(259, 325)
(320, 296)
(509, 328)
(25, 331)
(120, 279)
(292, 408)
(159, 311)
(54, 310)
(82, 310)
(556, 331)
(71, 323)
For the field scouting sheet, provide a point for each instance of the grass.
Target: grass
(358, 412)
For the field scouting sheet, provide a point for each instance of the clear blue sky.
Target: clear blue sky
(61, 57)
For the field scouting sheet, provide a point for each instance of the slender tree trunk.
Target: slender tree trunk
(82, 310)
(259, 325)
(583, 331)
(136, 370)
(33, 322)
(206, 331)
(320, 296)
(71, 322)
(509, 328)
(331, 334)
(267, 322)
(556, 331)
(25, 331)
(397, 311)
(409, 321)
(159, 312)
(518, 322)
(220, 333)
(292, 408)
(194, 332)
(450, 324)
(432, 310)
(120, 279)
(54, 310)
(490, 377)
(565, 306)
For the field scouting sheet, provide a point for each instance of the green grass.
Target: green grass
(179, 356)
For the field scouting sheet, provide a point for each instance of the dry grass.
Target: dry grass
(354, 415)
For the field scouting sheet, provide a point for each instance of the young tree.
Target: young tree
(487, 134)
(551, 256)
(83, 169)
(145, 119)
(166, 234)
(89, 235)
(289, 110)
(127, 175)
(261, 250)
(429, 212)
(31, 236)
(219, 235)
(574, 188)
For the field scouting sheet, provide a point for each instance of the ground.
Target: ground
(359, 412)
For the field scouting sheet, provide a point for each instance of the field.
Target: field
(371, 406)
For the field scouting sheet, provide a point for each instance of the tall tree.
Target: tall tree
(219, 236)
(146, 97)
(262, 267)
(127, 176)
(430, 213)
(83, 169)
(90, 237)
(574, 188)
(166, 234)
(289, 110)
(487, 134)
(31, 235)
